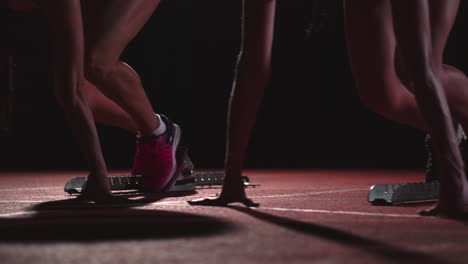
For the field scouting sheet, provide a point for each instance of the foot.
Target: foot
(155, 158)
(450, 206)
(433, 211)
(431, 166)
(451, 212)
(224, 200)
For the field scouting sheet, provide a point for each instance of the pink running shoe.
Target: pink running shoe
(155, 158)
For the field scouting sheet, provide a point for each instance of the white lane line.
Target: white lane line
(23, 201)
(269, 196)
(267, 208)
(309, 193)
(16, 214)
(30, 189)
(177, 202)
(337, 212)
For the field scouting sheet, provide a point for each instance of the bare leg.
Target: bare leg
(107, 112)
(98, 18)
(413, 34)
(104, 110)
(107, 34)
(371, 46)
(109, 26)
(455, 84)
(381, 82)
(252, 77)
(65, 20)
(443, 14)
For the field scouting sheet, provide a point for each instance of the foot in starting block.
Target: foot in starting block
(187, 179)
(392, 194)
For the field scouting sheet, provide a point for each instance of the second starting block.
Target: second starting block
(398, 193)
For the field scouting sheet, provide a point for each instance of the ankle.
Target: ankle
(158, 128)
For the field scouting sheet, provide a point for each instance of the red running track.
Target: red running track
(308, 216)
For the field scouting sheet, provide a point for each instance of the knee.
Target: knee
(83, 93)
(383, 104)
(420, 72)
(424, 78)
(69, 98)
(96, 68)
(401, 71)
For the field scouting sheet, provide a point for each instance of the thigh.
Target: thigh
(371, 44)
(257, 29)
(65, 21)
(411, 20)
(442, 17)
(111, 24)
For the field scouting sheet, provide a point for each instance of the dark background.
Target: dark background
(311, 116)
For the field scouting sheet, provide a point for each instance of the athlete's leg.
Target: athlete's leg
(442, 15)
(66, 24)
(107, 112)
(371, 47)
(104, 110)
(252, 77)
(381, 80)
(109, 27)
(411, 21)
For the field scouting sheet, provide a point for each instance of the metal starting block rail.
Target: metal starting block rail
(133, 182)
(187, 179)
(399, 193)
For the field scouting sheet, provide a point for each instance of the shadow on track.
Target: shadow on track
(128, 200)
(371, 246)
(65, 221)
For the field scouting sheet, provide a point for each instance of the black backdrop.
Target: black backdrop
(311, 115)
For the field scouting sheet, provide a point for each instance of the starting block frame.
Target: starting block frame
(399, 193)
(133, 182)
(187, 179)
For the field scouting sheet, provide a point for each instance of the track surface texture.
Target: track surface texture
(305, 216)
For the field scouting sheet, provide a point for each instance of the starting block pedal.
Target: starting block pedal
(187, 180)
(398, 193)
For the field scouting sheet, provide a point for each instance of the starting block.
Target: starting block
(187, 180)
(398, 193)
(393, 194)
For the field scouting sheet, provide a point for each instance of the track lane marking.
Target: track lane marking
(337, 212)
(24, 201)
(16, 214)
(30, 189)
(171, 202)
(168, 203)
(308, 193)
(179, 203)
(184, 204)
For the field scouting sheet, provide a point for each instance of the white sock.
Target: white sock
(162, 127)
